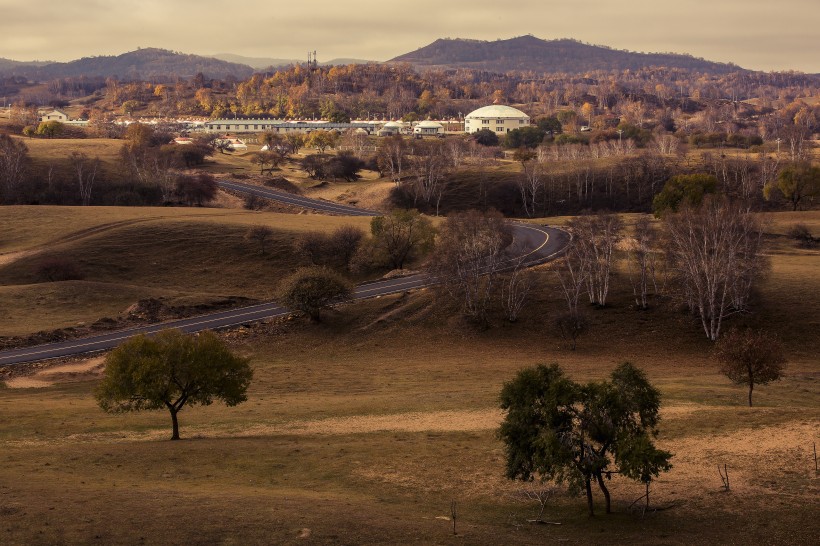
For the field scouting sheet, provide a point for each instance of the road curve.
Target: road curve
(539, 244)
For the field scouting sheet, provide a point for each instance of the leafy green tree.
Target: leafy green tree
(50, 129)
(549, 125)
(401, 236)
(172, 370)
(798, 183)
(486, 137)
(322, 140)
(525, 137)
(557, 429)
(312, 289)
(750, 357)
(684, 189)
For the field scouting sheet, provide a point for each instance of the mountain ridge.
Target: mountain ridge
(529, 53)
(144, 63)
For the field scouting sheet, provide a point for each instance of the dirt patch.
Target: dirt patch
(63, 373)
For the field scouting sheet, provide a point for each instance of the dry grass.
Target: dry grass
(126, 254)
(364, 428)
(361, 434)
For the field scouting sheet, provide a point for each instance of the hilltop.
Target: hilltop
(528, 53)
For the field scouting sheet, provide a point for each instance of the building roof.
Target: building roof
(495, 111)
(429, 125)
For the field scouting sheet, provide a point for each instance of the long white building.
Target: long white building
(273, 125)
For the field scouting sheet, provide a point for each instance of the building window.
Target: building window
(485, 122)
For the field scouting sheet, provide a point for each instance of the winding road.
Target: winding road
(539, 244)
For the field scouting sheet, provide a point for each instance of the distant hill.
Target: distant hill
(261, 63)
(8, 64)
(142, 64)
(528, 53)
(257, 63)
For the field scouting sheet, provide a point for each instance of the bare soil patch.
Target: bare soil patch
(62, 373)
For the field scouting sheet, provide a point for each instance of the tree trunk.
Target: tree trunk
(751, 388)
(589, 496)
(600, 480)
(175, 424)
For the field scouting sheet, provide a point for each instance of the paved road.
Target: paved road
(540, 244)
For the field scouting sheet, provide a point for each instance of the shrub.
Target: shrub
(312, 289)
(801, 234)
(58, 269)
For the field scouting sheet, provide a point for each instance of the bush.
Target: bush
(312, 289)
(58, 269)
(801, 234)
(336, 249)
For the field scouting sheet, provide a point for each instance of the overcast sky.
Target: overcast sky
(756, 34)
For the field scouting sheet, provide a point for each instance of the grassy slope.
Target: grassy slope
(363, 429)
(126, 254)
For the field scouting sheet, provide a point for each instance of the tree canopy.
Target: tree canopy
(171, 370)
(750, 357)
(557, 429)
(401, 236)
(312, 289)
(684, 189)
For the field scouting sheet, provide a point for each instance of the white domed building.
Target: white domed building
(497, 118)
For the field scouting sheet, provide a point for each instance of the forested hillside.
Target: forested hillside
(529, 53)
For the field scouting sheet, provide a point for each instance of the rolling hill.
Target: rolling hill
(142, 64)
(528, 53)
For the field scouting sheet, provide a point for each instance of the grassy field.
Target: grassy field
(183, 255)
(364, 428)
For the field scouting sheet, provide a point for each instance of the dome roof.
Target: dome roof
(497, 111)
(429, 125)
(393, 125)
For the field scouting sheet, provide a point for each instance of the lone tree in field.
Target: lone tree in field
(556, 429)
(750, 357)
(172, 370)
(312, 289)
(261, 235)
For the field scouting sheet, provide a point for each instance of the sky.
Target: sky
(756, 34)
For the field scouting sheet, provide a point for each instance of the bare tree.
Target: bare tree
(715, 250)
(469, 258)
(86, 171)
(530, 183)
(259, 234)
(750, 358)
(642, 260)
(572, 272)
(392, 156)
(596, 237)
(430, 167)
(516, 285)
(13, 160)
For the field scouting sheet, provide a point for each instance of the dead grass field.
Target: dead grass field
(364, 428)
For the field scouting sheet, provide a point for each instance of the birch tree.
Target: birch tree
(716, 251)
